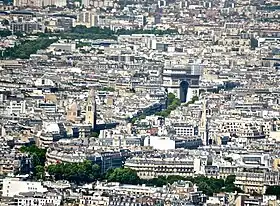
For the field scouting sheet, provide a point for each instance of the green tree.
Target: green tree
(82, 172)
(38, 159)
(4, 33)
(123, 175)
(228, 159)
(176, 102)
(164, 113)
(205, 188)
(5, 22)
(133, 120)
(172, 107)
(230, 186)
(273, 190)
(26, 48)
(230, 180)
(174, 178)
(95, 134)
(38, 155)
(109, 89)
(170, 98)
(158, 182)
(195, 98)
(172, 104)
(40, 172)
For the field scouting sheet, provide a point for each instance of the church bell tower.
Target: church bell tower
(91, 109)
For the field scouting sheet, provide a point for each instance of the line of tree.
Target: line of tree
(82, 32)
(208, 186)
(76, 172)
(87, 171)
(192, 101)
(95, 134)
(82, 172)
(122, 175)
(80, 29)
(109, 89)
(172, 104)
(27, 47)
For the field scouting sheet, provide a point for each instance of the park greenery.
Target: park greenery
(27, 47)
(208, 186)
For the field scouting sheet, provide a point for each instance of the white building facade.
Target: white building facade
(14, 186)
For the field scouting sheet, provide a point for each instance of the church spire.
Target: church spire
(91, 109)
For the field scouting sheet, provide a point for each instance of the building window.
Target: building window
(89, 108)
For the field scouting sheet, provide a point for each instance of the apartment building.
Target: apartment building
(183, 129)
(256, 181)
(57, 3)
(235, 43)
(23, 3)
(64, 46)
(154, 167)
(121, 141)
(39, 3)
(105, 159)
(87, 18)
(11, 161)
(15, 107)
(95, 199)
(37, 198)
(59, 23)
(48, 107)
(15, 186)
(27, 26)
(244, 127)
(114, 193)
(226, 170)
